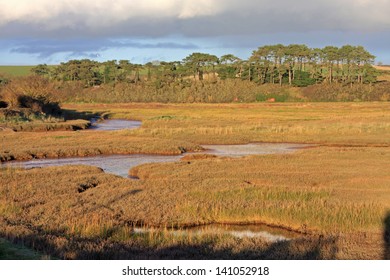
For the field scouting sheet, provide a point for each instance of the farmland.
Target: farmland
(15, 70)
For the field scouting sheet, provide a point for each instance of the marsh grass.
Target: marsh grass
(343, 192)
(339, 189)
(29, 145)
(325, 123)
(47, 124)
(170, 129)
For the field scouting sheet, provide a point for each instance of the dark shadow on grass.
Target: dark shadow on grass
(87, 115)
(136, 246)
(10, 251)
(386, 236)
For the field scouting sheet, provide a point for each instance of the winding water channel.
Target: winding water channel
(121, 164)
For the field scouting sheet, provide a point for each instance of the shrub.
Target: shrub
(28, 98)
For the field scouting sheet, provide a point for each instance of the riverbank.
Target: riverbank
(43, 126)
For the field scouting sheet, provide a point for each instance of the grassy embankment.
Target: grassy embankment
(339, 190)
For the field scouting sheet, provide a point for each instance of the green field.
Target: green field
(15, 70)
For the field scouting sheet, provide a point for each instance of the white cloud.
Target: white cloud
(191, 9)
(101, 12)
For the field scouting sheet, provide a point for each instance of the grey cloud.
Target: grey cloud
(233, 17)
(87, 47)
(231, 24)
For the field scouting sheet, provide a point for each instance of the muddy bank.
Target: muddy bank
(73, 125)
(38, 126)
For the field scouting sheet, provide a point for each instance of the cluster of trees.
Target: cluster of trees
(89, 71)
(336, 74)
(302, 65)
(296, 65)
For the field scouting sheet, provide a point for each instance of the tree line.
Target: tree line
(295, 65)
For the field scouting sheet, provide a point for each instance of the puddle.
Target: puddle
(270, 234)
(121, 164)
(114, 124)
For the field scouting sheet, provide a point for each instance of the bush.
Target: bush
(28, 98)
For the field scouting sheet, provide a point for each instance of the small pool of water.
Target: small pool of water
(270, 234)
(114, 124)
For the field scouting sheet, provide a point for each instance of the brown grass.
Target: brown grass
(166, 128)
(339, 190)
(46, 125)
(327, 191)
(382, 68)
(324, 123)
(29, 145)
(385, 73)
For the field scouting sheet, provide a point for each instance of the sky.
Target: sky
(54, 31)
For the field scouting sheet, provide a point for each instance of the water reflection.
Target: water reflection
(114, 164)
(115, 124)
(121, 164)
(270, 234)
